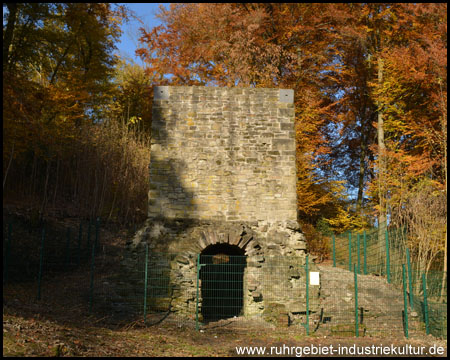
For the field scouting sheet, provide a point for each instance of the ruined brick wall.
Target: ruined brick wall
(223, 154)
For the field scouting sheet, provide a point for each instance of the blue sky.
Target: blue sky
(130, 31)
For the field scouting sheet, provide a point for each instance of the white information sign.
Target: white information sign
(314, 278)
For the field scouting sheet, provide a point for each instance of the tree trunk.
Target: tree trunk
(9, 165)
(44, 200)
(381, 163)
(9, 33)
(58, 161)
(362, 171)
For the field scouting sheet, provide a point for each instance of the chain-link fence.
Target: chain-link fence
(386, 254)
(371, 288)
(31, 251)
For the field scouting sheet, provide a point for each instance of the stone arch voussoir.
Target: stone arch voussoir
(238, 236)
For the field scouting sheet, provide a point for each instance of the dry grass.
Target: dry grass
(94, 170)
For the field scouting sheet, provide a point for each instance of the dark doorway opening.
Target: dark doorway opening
(222, 279)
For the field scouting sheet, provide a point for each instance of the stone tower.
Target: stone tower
(224, 154)
(223, 183)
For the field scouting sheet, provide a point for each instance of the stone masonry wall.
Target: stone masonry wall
(223, 154)
(222, 171)
(274, 279)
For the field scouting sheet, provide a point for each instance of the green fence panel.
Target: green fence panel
(145, 283)
(307, 294)
(405, 302)
(425, 302)
(411, 290)
(388, 262)
(359, 254)
(334, 250)
(197, 327)
(365, 252)
(276, 289)
(349, 251)
(356, 303)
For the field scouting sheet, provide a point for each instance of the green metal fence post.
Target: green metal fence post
(411, 298)
(307, 294)
(365, 253)
(199, 266)
(349, 251)
(359, 255)
(145, 284)
(334, 251)
(356, 303)
(41, 263)
(91, 290)
(425, 304)
(405, 301)
(7, 254)
(388, 263)
(196, 300)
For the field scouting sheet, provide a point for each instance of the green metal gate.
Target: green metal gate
(220, 286)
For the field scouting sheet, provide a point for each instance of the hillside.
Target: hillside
(60, 324)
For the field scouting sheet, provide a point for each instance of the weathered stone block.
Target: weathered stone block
(276, 313)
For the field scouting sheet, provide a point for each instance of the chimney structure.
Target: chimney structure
(222, 194)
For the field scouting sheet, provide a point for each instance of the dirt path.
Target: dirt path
(38, 337)
(52, 327)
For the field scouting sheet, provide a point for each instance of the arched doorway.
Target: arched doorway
(222, 276)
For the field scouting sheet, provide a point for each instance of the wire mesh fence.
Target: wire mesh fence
(30, 252)
(371, 289)
(386, 254)
(358, 305)
(222, 290)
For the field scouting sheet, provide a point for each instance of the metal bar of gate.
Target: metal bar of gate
(196, 299)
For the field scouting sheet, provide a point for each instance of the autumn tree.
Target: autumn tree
(413, 95)
(370, 91)
(59, 145)
(370, 86)
(403, 108)
(262, 45)
(132, 96)
(53, 67)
